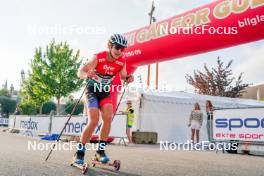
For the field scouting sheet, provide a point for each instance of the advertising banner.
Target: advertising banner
(239, 124)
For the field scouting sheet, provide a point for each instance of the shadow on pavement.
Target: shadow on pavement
(107, 172)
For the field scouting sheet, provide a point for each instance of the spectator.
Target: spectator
(195, 122)
(130, 120)
(209, 113)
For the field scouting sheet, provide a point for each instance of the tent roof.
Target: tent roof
(191, 98)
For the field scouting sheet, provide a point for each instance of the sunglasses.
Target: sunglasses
(119, 47)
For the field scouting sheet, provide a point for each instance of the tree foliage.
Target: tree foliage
(4, 92)
(27, 108)
(53, 74)
(217, 81)
(33, 93)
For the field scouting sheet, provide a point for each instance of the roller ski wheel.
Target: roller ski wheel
(116, 164)
(83, 167)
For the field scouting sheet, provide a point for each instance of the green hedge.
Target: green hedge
(69, 106)
(48, 106)
(27, 108)
(8, 106)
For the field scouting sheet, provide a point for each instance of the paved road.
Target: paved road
(137, 160)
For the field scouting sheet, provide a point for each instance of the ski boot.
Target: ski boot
(79, 155)
(101, 157)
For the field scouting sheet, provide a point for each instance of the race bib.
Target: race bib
(105, 80)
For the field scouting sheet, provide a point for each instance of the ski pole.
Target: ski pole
(74, 108)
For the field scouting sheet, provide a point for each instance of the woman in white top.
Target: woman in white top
(196, 121)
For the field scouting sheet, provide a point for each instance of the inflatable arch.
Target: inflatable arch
(220, 24)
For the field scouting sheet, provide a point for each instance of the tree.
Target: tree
(4, 92)
(8, 105)
(217, 81)
(33, 94)
(54, 73)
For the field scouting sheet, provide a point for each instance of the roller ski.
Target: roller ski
(83, 167)
(78, 160)
(101, 159)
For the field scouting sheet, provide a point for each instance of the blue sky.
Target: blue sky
(25, 25)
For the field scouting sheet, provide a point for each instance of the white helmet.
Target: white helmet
(119, 39)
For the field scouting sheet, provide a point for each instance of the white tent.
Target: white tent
(168, 113)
